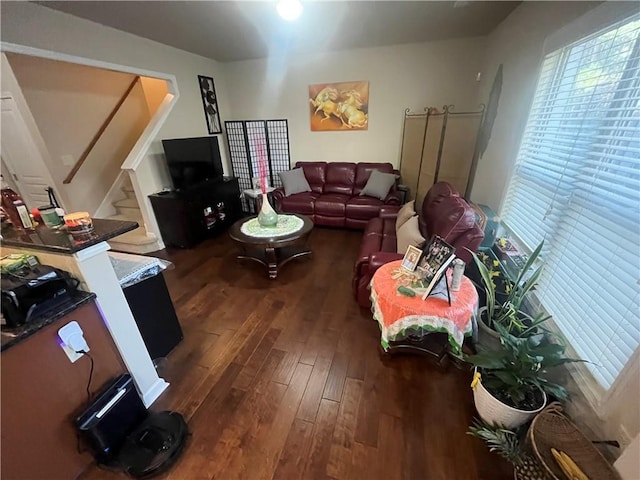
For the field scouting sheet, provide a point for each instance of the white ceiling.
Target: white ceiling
(229, 31)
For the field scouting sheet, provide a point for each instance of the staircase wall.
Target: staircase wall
(69, 103)
(34, 28)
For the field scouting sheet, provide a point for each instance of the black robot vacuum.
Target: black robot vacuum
(123, 435)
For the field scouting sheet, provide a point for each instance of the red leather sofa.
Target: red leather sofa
(335, 199)
(443, 213)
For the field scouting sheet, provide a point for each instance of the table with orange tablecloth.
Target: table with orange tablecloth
(399, 315)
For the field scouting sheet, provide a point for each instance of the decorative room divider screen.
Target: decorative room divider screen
(245, 138)
(439, 145)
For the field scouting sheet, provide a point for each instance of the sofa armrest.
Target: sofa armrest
(469, 242)
(277, 195)
(389, 211)
(377, 259)
(393, 198)
(366, 266)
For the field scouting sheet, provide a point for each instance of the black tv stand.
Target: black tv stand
(188, 216)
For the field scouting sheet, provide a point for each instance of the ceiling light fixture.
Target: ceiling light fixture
(289, 9)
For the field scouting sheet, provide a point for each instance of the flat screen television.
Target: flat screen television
(193, 161)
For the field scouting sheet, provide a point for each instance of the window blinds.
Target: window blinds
(576, 184)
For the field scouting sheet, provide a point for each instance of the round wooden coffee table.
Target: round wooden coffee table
(273, 251)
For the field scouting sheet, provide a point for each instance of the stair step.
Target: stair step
(127, 203)
(136, 237)
(128, 190)
(135, 241)
(126, 182)
(139, 248)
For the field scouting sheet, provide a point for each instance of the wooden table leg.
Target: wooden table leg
(272, 262)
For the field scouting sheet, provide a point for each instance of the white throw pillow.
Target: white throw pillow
(409, 234)
(407, 211)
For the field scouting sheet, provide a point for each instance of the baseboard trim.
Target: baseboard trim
(154, 392)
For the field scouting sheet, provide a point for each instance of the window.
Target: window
(576, 185)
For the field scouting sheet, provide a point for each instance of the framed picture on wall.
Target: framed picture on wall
(339, 106)
(210, 104)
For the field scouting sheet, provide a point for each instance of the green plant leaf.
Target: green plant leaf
(550, 350)
(530, 261)
(489, 287)
(556, 390)
(500, 440)
(488, 360)
(507, 377)
(527, 286)
(555, 362)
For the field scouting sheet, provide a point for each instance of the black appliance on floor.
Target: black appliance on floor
(123, 435)
(155, 315)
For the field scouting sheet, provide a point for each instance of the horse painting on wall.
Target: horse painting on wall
(339, 106)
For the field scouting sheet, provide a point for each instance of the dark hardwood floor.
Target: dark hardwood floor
(283, 379)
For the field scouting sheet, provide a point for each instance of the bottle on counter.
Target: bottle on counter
(14, 207)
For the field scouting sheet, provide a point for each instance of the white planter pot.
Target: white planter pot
(493, 411)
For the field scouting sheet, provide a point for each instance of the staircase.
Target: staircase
(138, 240)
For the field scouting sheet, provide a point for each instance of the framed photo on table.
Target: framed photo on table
(411, 258)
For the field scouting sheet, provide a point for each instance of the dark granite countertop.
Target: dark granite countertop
(61, 241)
(12, 336)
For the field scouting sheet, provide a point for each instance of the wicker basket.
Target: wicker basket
(551, 428)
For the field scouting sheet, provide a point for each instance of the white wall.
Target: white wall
(155, 90)
(517, 43)
(70, 103)
(8, 178)
(628, 465)
(406, 76)
(9, 83)
(36, 26)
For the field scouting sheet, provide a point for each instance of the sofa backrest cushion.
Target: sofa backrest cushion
(469, 240)
(363, 171)
(452, 217)
(437, 192)
(430, 205)
(341, 177)
(315, 173)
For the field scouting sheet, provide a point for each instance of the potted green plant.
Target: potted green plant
(511, 383)
(508, 444)
(504, 306)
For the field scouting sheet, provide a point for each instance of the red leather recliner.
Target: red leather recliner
(334, 199)
(443, 213)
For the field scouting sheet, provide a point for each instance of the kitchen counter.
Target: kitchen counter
(87, 260)
(61, 241)
(12, 336)
(42, 392)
